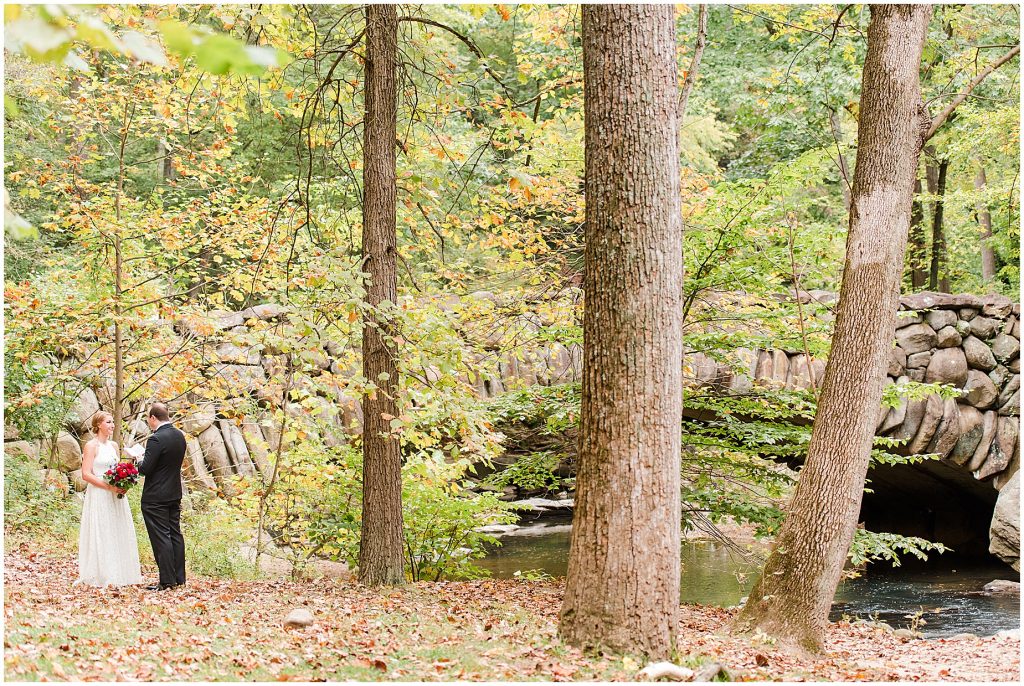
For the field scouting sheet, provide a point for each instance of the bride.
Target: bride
(108, 553)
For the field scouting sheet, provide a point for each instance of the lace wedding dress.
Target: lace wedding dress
(108, 553)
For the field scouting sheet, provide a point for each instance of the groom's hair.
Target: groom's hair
(158, 411)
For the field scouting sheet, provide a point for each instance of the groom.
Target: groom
(161, 497)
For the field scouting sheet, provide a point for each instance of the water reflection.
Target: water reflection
(939, 600)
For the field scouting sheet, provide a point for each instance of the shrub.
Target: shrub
(32, 508)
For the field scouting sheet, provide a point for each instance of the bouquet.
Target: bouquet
(122, 475)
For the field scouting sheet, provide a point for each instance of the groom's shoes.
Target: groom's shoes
(161, 587)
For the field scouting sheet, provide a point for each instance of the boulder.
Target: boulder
(1009, 398)
(948, 366)
(989, 424)
(919, 360)
(25, 448)
(780, 368)
(916, 338)
(65, 455)
(233, 354)
(196, 473)
(948, 432)
(76, 481)
(265, 312)
(916, 374)
(1002, 587)
(744, 371)
(257, 446)
(997, 306)
(1005, 348)
(85, 406)
(664, 670)
(1004, 531)
(234, 443)
(1011, 407)
(933, 411)
(967, 313)
(905, 319)
(963, 328)
(979, 390)
(1014, 365)
(300, 616)
(238, 378)
(199, 419)
(940, 319)
(979, 355)
(800, 373)
(948, 337)
(911, 421)
(1001, 452)
(895, 416)
(1000, 376)
(971, 427)
(985, 327)
(1015, 329)
(883, 410)
(897, 361)
(212, 444)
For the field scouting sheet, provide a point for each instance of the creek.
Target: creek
(942, 597)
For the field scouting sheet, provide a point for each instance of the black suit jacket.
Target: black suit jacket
(161, 465)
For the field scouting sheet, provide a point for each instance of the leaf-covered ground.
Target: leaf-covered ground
(217, 630)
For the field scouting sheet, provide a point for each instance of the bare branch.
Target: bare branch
(468, 43)
(939, 120)
(698, 53)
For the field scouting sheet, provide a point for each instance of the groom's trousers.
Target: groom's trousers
(163, 523)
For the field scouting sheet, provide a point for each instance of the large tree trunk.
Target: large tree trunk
(988, 255)
(792, 598)
(622, 589)
(938, 279)
(381, 559)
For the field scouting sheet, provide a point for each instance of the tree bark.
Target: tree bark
(792, 598)
(988, 255)
(938, 280)
(381, 559)
(622, 587)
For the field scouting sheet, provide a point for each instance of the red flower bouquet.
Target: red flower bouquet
(122, 475)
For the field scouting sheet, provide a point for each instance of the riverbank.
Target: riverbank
(493, 630)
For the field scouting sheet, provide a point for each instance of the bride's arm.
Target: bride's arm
(88, 456)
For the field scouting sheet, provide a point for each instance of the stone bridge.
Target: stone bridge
(969, 342)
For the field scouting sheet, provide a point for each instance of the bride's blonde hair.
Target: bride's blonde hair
(98, 419)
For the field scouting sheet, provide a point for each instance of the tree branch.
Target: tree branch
(468, 43)
(698, 53)
(939, 120)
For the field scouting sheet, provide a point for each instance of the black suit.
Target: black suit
(161, 501)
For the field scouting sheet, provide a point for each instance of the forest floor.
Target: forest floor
(225, 630)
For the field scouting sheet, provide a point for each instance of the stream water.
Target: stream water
(940, 598)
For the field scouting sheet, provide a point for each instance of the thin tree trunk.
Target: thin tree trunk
(792, 598)
(118, 409)
(622, 587)
(918, 247)
(988, 255)
(381, 559)
(938, 279)
(844, 168)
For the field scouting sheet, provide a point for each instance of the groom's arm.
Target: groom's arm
(151, 457)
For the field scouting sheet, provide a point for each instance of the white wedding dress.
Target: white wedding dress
(108, 552)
